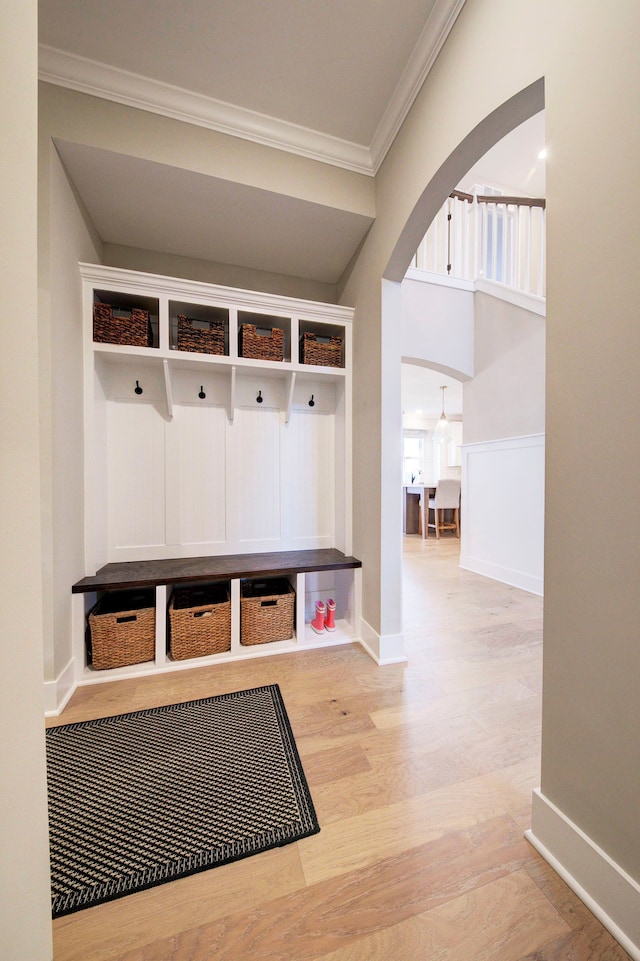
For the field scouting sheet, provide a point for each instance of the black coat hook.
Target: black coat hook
(312, 402)
(138, 388)
(259, 398)
(202, 394)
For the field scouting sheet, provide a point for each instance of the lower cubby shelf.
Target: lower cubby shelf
(310, 575)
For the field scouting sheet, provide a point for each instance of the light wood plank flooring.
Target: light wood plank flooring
(421, 775)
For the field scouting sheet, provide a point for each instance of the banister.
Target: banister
(513, 201)
(461, 195)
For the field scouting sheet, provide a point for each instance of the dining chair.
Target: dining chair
(447, 497)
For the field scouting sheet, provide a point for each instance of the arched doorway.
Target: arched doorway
(485, 135)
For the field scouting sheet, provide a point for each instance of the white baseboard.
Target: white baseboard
(383, 648)
(57, 693)
(606, 889)
(526, 582)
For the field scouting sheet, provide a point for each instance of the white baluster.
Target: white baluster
(541, 253)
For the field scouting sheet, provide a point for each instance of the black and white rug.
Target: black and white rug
(148, 797)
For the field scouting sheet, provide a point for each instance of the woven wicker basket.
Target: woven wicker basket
(201, 336)
(261, 346)
(122, 629)
(266, 611)
(326, 352)
(200, 621)
(130, 327)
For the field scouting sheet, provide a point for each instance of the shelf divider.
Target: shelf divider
(168, 388)
(292, 384)
(232, 394)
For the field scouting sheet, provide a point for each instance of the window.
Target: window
(413, 456)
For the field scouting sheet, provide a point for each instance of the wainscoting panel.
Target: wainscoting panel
(255, 475)
(308, 479)
(503, 510)
(202, 470)
(136, 476)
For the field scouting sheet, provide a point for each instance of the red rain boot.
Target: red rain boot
(330, 620)
(318, 622)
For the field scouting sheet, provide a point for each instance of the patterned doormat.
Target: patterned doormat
(148, 797)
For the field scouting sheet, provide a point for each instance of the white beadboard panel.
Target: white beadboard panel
(502, 523)
(189, 384)
(136, 476)
(308, 477)
(202, 470)
(324, 394)
(254, 476)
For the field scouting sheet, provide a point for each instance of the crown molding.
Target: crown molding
(132, 90)
(120, 86)
(430, 43)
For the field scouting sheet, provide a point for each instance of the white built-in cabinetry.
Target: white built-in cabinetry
(195, 455)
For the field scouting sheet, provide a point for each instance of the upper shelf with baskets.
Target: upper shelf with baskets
(166, 319)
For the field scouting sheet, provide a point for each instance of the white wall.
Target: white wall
(506, 397)
(591, 711)
(503, 478)
(72, 240)
(437, 326)
(25, 897)
(587, 54)
(228, 275)
(502, 534)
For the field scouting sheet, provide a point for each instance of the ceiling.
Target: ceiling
(421, 394)
(348, 72)
(320, 78)
(323, 79)
(263, 230)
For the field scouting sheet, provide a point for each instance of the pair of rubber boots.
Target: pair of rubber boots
(325, 619)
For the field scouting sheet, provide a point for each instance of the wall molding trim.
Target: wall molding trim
(506, 575)
(383, 648)
(57, 693)
(431, 40)
(606, 889)
(133, 90)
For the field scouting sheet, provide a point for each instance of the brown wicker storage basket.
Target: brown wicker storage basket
(323, 351)
(130, 327)
(266, 611)
(201, 336)
(261, 346)
(200, 621)
(122, 629)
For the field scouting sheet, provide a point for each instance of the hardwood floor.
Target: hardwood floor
(421, 775)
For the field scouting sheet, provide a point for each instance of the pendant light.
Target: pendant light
(442, 432)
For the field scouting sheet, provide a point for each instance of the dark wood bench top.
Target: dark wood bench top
(186, 570)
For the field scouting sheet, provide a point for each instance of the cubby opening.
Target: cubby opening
(267, 611)
(325, 350)
(198, 620)
(264, 324)
(122, 304)
(194, 328)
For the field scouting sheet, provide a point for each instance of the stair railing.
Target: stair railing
(498, 238)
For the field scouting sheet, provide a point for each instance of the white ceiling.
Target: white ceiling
(208, 218)
(323, 64)
(322, 78)
(421, 394)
